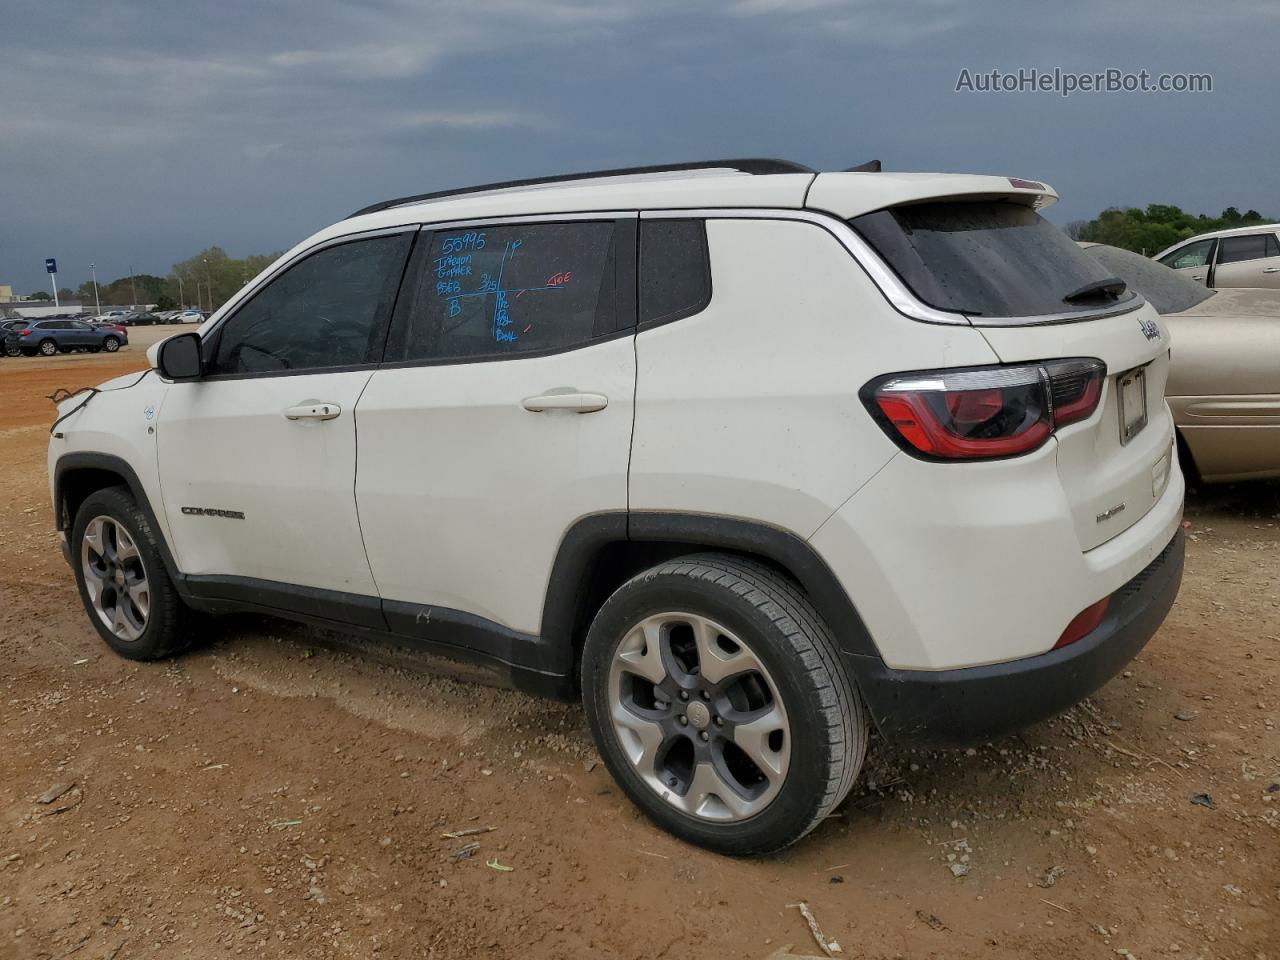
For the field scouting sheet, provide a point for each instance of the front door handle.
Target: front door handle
(313, 410)
(1272, 270)
(573, 402)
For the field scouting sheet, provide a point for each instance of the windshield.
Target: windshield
(1167, 290)
(990, 259)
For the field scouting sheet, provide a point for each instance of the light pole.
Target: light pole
(97, 300)
(208, 282)
(182, 296)
(133, 287)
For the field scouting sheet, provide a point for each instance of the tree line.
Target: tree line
(205, 281)
(1159, 226)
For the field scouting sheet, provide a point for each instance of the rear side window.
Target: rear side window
(501, 291)
(985, 259)
(675, 272)
(1253, 247)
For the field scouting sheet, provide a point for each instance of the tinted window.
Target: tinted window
(1192, 255)
(1238, 249)
(675, 274)
(1167, 290)
(506, 290)
(328, 310)
(985, 259)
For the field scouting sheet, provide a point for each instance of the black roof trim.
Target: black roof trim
(871, 166)
(752, 165)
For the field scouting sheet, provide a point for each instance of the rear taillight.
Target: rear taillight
(984, 413)
(24, 333)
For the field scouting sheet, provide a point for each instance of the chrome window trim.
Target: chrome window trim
(888, 282)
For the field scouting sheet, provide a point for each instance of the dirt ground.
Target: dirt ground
(275, 793)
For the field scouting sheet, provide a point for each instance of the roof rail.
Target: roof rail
(750, 165)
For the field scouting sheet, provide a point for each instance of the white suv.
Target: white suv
(750, 458)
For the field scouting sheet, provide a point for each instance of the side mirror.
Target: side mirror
(179, 358)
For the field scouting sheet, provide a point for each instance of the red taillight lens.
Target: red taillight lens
(24, 333)
(985, 413)
(1084, 622)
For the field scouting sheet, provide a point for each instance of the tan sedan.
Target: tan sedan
(1224, 381)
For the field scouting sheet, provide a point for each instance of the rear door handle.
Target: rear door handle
(1272, 270)
(574, 402)
(313, 410)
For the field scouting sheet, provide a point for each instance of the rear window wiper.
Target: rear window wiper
(1111, 287)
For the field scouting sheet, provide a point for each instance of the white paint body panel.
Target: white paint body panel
(116, 422)
(465, 495)
(225, 444)
(750, 408)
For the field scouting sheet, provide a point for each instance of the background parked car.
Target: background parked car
(49, 337)
(1224, 381)
(113, 315)
(190, 316)
(9, 330)
(1243, 257)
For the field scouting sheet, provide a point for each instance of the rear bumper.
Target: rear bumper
(953, 707)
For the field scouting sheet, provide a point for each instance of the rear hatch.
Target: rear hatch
(1037, 297)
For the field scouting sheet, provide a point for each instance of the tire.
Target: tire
(768, 676)
(111, 344)
(166, 625)
(48, 348)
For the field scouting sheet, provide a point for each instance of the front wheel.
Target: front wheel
(125, 588)
(111, 344)
(720, 704)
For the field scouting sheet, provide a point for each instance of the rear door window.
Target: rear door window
(1240, 249)
(491, 292)
(987, 259)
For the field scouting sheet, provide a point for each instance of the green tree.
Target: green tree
(1159, 226)
(41, 295)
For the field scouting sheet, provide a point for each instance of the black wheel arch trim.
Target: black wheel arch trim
(70, 463)
(581, 546)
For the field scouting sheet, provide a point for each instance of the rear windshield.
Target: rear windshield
(989, 259)
(1167, 290)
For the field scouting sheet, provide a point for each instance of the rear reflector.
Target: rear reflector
(984, 413)
(1084, 623)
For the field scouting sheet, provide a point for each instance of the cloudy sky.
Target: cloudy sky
(135, 134)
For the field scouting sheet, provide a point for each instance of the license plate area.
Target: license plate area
(1131, 390)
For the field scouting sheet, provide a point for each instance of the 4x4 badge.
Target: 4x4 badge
(1150, 329)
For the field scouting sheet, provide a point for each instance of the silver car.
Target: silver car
(1242, 257)
(1224, 379)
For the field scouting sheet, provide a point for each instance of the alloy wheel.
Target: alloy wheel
(115, 578)
(699, 717)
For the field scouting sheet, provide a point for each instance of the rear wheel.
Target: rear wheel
(720, 704)
(111, 344)
(125, 588)
(48, 347)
